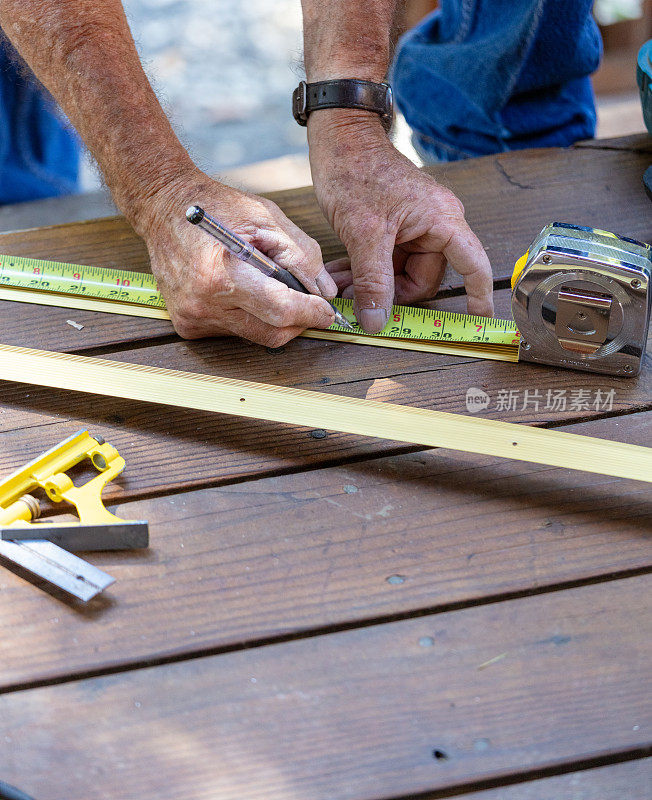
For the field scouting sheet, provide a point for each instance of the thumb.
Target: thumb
(373, 283)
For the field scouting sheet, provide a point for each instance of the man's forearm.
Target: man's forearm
(344, 39)
(83, 53)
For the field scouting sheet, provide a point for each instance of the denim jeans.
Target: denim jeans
(485, 76)
(39, 151)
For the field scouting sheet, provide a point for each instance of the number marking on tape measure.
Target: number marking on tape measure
(425, 324)
(36, 275)
(137, 294)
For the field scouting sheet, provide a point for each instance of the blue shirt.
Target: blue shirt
(485, 76)
(39, 151)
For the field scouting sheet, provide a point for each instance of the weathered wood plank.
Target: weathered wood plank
(631, 780)
(109, 242)
(639, 143)
(287, 554)
(29, 325)
(47, 328)
(508, 199)
(170, 448)
(439, 701)
(303, 363)
(56, 210)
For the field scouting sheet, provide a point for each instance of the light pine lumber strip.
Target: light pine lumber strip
(349, 415)
(491, 353)
(631, 780)
(508, 199)
(353, 715)
(169, 449)
(300, 363)
(293, 553)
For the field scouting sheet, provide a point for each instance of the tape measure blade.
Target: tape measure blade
(133, 293)
(78, 280)
(435, 325)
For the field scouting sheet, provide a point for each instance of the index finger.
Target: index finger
(467, 256)
(274, 303)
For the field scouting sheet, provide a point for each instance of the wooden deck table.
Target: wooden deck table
(322, 616)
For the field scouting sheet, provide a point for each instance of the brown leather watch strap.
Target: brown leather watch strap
(343, 93)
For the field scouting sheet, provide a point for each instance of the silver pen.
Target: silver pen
(249, 254)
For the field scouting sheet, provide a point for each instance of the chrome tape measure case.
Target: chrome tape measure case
(581, 299)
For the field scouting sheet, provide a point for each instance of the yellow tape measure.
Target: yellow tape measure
(120, 285)
(121, 291)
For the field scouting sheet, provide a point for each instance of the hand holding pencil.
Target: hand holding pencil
(208, 291)
(250, 255)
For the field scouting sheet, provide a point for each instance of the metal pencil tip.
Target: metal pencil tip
(342, 321)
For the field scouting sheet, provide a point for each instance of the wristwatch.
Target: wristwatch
(343, 93)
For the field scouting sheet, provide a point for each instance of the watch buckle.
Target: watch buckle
(387, 118)
(299, 102)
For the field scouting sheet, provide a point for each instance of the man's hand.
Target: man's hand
(207, 290)
(83, 52)
(399, 226)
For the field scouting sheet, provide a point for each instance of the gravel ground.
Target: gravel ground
(224, 71)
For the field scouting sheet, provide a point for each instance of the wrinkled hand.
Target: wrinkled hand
(399, 225)
(207, 290)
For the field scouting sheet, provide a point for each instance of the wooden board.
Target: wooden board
(271, 557)
(432, 381)
(209, 449)
(631, 780)
(387, 711)
(508, 199)
(640, 143)
(301, 536)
